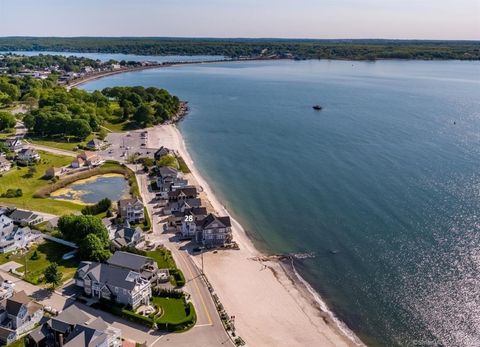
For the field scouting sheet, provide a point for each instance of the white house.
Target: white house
(28, 155)
(5, 164)
(16, 238)
(19, 314)
(131, 210)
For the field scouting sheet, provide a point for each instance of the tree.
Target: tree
(143, 115)
(53, 275)
(34, 256)
(168, 160)
(7, 120)
(76, 228)
(92, 248)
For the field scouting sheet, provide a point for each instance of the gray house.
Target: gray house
(145, 266)
(110, 282)
(72, 328)
(131, 210)
(127, 236)
(213, 231)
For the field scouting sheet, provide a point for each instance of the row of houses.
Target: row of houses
(126, 278)
(186, 215)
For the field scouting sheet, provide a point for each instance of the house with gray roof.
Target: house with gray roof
(131, 210)
(24, 217)
(127, 236)
(72, 328)
(18, 314)
(28, 155)
(95, 144)
(110, 282)
(213, 231)
(145, 266)
(161, 152)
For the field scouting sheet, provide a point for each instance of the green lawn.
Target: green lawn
(173, 309)
(4, 136)
(15, 178)
(47, 252)
(61, 143)
(163, 257)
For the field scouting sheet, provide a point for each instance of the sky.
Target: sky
(323, 19)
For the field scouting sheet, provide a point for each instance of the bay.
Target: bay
(382, 185)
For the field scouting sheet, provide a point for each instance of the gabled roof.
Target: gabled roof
(188, 191)
(162, 151)
(129, 260)
(27, 152)
(22, 215)
(124, 203)
(127, 233)
(72, 315)
(94, 142)
(111, 275)
(15, 303)
(166, 171)
(211, 218)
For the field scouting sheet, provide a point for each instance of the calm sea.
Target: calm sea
(382, 185)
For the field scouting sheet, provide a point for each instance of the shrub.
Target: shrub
(167, 293)
(101, 206)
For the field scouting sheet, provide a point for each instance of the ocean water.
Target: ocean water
(382, 185)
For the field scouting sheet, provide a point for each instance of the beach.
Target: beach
(272, 305)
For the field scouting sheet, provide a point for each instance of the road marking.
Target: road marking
(156, 340)
(198, 289)
(202, 325)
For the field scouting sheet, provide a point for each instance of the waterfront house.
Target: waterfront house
(161, 152)
(181, 218)
(213, 231)
(95, 144)
(24, 217)
(181, 205)
(110, 282)
(73, 328)
(28, 155)
(169, 179)
(18, 314)
(126, 236)
(5, 164)
(131, 210)
(183, 193)
(14, 144)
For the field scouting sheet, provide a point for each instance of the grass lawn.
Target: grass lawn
(15, 178)
(4, 136)
(173, 309)
(163, 257)
(48, 252)
(60, 143)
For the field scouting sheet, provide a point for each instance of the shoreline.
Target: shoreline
(284, 306)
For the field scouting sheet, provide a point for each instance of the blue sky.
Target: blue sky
(417, 19)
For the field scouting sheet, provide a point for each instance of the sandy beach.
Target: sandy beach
(272, 307)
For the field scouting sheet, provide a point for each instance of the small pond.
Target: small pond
(93, 189)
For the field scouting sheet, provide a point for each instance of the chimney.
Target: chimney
(60, 340)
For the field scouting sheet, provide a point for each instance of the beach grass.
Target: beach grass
(47, 252)
(17, 178)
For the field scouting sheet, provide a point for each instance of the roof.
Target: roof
(211, 218)
(99, 324)
(165, 171)
(128, 202)
(127, 233)
(15, 303)
(72, 315)
(194, 211)
(111, 275)
(188, 191)
(5, 333)
(94, 142)
(128, 260)
(22, 215)
(27, 151)
(39, 334)
(162, 151)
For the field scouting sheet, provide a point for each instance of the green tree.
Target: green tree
(76, 228)
(53, 275)
(92, 248)
(143, 115)
(7, 120)
(168, 160)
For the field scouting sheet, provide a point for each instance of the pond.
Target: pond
(93, 189)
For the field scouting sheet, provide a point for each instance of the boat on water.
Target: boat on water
(317, 107)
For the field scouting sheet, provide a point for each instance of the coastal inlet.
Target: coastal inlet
(93, 189)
